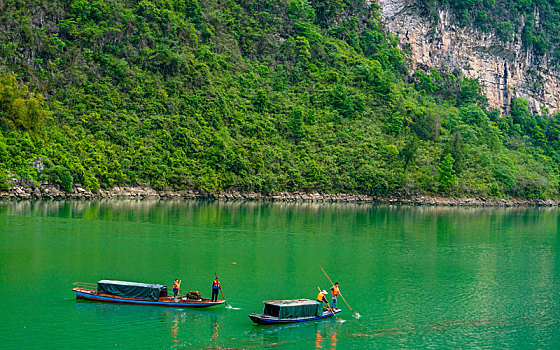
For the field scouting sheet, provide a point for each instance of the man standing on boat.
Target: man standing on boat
(335, 294)
(176, 287)
(215, 288)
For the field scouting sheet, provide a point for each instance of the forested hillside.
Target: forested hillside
(259, 96)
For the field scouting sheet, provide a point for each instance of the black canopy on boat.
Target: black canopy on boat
(132, 289)
(293, 308)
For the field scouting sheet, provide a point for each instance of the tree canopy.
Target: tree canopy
(259, 96)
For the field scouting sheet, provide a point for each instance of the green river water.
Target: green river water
(420, 277)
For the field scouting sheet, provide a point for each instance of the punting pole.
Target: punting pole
(354, 312)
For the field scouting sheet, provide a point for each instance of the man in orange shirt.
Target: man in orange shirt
(215, 289)
(176, 287)
(335, 294)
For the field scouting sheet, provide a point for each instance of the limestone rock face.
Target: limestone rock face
(506, 70)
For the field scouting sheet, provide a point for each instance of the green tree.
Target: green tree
(296, 122)
(20, 109)
(447, 177)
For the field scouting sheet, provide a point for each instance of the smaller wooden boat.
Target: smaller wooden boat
(123, 292)
(292, 311)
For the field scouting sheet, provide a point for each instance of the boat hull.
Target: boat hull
(267, 320)
(167, 302)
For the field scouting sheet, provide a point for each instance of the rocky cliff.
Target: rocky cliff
(53, 192)
(507, 70)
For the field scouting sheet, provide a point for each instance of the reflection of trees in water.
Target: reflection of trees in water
(308, 217)
(132, 209)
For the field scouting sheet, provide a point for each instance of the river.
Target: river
(419, 277)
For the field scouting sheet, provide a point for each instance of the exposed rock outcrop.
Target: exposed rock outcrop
(50, 191)
(507, 70)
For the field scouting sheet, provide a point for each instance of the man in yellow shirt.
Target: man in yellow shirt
(321, 297)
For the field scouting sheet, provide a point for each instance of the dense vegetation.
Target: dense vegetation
(537, 21)
(249, 95)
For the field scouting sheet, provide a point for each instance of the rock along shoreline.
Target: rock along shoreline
(53, 192)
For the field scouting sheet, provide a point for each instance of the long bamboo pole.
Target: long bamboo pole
(339, 291)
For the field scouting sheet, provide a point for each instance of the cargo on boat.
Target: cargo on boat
(292, 311)
(125, 292)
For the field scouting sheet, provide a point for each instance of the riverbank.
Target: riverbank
(50, 191)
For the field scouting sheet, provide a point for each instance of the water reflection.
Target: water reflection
(135, 208)
(333, 337)
(318, 339)
(179, 323)
(326, 335)
(174, 328)
(320, 335)
(215, 331)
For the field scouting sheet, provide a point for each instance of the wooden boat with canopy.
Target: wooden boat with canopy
(124, 292)
(292, 311)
